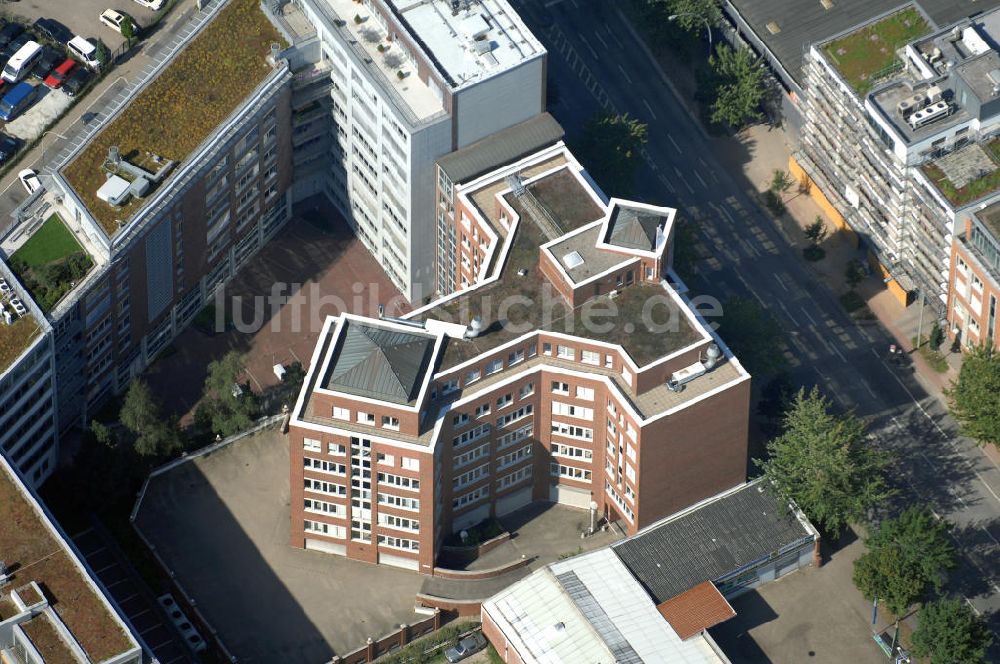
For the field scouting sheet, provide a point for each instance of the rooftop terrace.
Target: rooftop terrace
(16, 338)
(968, 174)
(30, 547)
(868, 54)
(50, 263)
(180, 108)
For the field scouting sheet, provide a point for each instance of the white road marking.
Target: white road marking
(676, 147)
(587, 44)
(601, 39)
(698, 175)
(869, 388)
(625, 74)
(806, 314)
(752, 291)
(686, 183)
(788, 313)
(778, 279)
(649, 108)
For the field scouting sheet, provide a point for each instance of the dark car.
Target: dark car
(47, 62)
(10, 32)
(8, 146)
(53, 30)
(464, 648)
(13, 47)
(76, 81)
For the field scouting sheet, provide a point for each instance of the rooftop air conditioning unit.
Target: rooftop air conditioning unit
(905, 107)
(934, 94)
(927, 115)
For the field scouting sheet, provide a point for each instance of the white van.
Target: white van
(22, 62)
(84, 51)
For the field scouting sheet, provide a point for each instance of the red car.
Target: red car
(60, 74)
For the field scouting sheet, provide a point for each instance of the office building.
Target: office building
(51, 608)
(975, 280)
(570, 368)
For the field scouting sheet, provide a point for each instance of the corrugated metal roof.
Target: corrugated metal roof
(378, 363)
(709, 542)
(501, 148)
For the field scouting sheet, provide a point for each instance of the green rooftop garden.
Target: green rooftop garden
(179, 109)
(973, 191)
(869, 53)
(50, 262)
(15, 339)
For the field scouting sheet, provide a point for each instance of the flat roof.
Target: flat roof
(469, 40)
(16, 338)
(801, 24)
(989, 216)
(171, 115)
(590, 608)
(35, 551)
(968, 174)
(711, 540)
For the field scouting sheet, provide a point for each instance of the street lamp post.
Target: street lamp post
(708, 26)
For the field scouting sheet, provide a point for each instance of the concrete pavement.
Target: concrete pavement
(598, 67)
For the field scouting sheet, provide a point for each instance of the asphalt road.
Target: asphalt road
(597, 62)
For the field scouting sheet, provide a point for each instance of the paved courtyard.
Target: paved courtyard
(313, 269)
(814, 615)
(221, 524)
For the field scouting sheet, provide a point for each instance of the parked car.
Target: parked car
(467, 646)
(8, 147)
(29, 180)
(60, 74)
(84, 51)
(17, 100)
(9, 33)
(114, 20)
(76, 81)
(22, 62)
(53, 30)
(155, 5)
(50, 58)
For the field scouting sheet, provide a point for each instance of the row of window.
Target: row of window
(570, 472)
(476, 495)
(399, 481)
(323, 466)
(513, 478)
(470, 476)
(559, 449)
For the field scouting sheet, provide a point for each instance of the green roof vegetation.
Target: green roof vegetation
(982, 186)
(15, 339)
(869, 53)
(50, 262)
(179, 109)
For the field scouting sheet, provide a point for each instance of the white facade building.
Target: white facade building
(411, 82)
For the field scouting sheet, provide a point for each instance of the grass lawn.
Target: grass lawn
(976, 189)
(14, 338)
(49, 243)
(933, 358)
(864, 54)
(180, 108)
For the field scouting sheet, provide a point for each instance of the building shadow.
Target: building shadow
(734, 637)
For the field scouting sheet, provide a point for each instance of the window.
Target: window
(324, 529)
(526, 390)
(609, 361)
(472, 434)
(505, 401)
(312, 445)
(572, 431)
(630, 451)
(560, 388)
(511, 458)
(390, 422)
(547, 349)
(590, 357)
(630, 472)
(385, 459)
(515, 356)
(472, 455)
(565, 353)
(365, 418)
(558, 449)
(629, 515)
(450, 386)
(319, 486)
(324, 466)
(409, 463)
(513, 478)
(400, 522)
(336, 449)
(569, 410)
(323, 507)
(460, 419)
(399, 481)
(399, 501)
(341, 413)
(570, 472)
(494, 366)
(977, 283)
(472, 376)
(585, 393)
(518, 414)
(470, 476)
(398, 543)
(476, 495)
(483, 409)
(515, 436)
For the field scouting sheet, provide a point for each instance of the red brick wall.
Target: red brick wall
(960, 291)
(499, 641)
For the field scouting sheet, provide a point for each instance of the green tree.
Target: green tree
(974, 399)
(816, 232)
(128, 29)
(854, 274)
(609, 148)
(936, 337)
(775, 398)
(824, 463)
(294, 376)
(140, 414)
(949, 632)
(781, 182)
(103, 54)
(739, 86)
(693, 15)
(905, 557)
(227, 407)
(752, 334)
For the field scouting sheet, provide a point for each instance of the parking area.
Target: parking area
(81, 16)
(131, 596)
(814, 615)
(220, 522)
(278, 303)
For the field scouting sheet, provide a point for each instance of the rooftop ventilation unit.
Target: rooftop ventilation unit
(773, 27)
(929, 114)
(827, 4)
